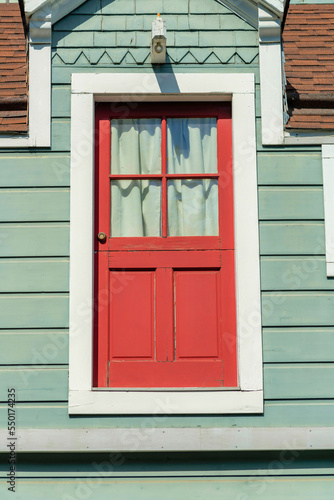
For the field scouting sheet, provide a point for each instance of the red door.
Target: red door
(164, 271)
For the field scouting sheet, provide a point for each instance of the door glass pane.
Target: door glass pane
(136, 146)
(191, 145)
(192, 207)
(135, 208)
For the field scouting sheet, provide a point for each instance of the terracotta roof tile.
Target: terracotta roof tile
(13, 71)
(308, 41)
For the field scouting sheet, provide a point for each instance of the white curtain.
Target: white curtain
(192, 203)
(136, 204)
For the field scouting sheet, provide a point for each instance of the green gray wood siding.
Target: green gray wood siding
(297, 298)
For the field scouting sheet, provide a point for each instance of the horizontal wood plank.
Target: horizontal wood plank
(281, 381)
(34, 240)
(298, 308)
(178, 489)
(60, 134)
(292, 238)
(287, 203)
(294, 273)
(285, 168)
(299, 381)
(21, 205)
(152, 259)
(285, 345)
(34, 170)
(34, 311)
(61, 101)
(34, 275)
(25, 347)
(276, 413)
(34, 383)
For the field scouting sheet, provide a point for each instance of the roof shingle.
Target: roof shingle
(13, 71)
(308, 41)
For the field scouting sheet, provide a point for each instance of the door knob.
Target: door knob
(102, 237)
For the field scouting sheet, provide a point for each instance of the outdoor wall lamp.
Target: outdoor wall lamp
(159, 37)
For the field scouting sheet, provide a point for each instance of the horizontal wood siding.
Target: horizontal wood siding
(298, 299)
(181, 476)
(178, 489)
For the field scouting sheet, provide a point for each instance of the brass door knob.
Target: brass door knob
(102, 237)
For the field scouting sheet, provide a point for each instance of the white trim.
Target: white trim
(172, 439)
(303, 137)
(58, 8)
(271, 78)
(137, 87)
(328, 183)
(244, 9)
(141, 86)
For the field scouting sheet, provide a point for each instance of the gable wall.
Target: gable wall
(298, 300)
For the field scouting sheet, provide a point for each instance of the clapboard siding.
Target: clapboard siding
(34, 170)
(34, 383)
(34, 310)
(290, 203)
(61, 101)
(61, 134)
(285, 413)
(44, 382)
(34, 240)
(34, 275)
(298, 308)
(294, 273)
(308, 344)
(21, 205)
(178, 489)
(34, 346)
(298, 299)
(299, 381)
(285, 168)
(292, 238)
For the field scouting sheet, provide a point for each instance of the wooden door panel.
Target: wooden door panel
(141, 259)
(164, 374)
(165, 305)
(197, 315)
(132, 322)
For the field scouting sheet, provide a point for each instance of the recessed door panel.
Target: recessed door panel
(132, 314)
(196, 314)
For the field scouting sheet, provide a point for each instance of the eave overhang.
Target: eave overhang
(247, 9)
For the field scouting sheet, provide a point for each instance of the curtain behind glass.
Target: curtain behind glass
(135, 204)
(192, 203)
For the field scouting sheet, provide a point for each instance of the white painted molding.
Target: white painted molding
(247, 9)
(271, 78)
(328, 186)
(277, 6)
(304, 137)
(151, 438)
(86, 88)
(244, 9)
(31, 6)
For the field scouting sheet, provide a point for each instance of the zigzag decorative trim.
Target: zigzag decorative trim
(139, 56)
